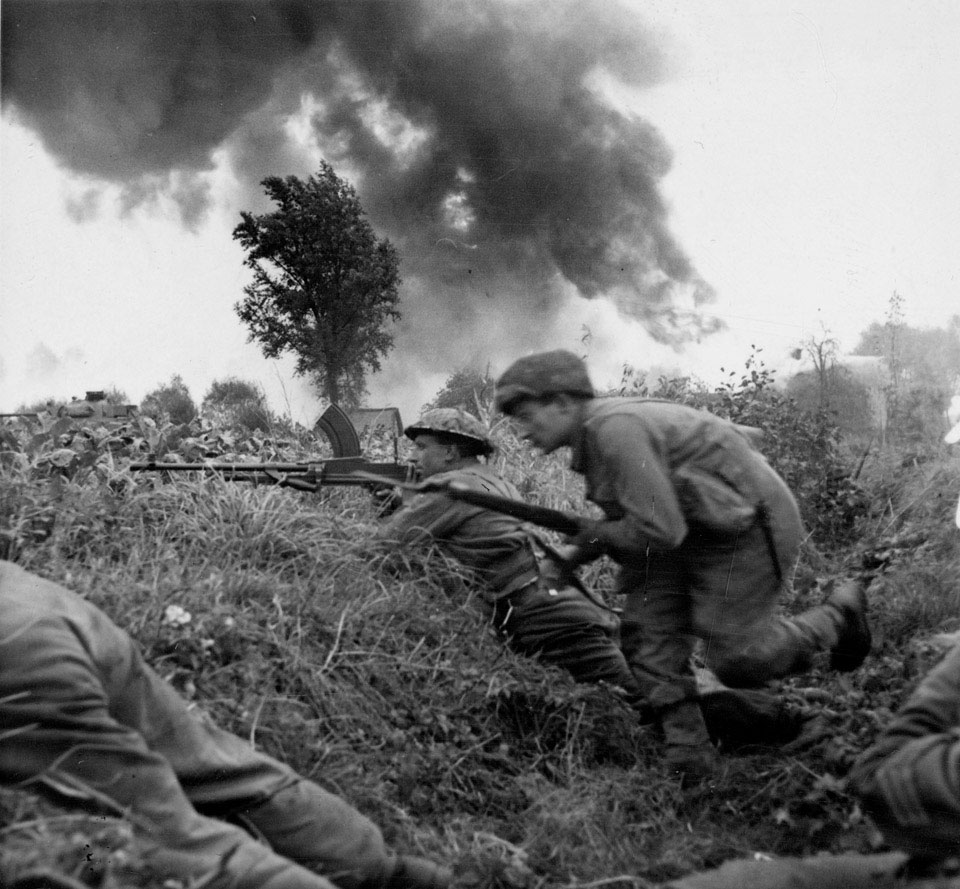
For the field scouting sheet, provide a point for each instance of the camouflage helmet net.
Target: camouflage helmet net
(455, 424)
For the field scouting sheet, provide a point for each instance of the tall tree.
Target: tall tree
(823, 353)
(324, 286)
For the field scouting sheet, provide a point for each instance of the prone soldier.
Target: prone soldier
(87, 721)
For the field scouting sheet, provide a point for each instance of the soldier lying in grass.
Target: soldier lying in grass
(535, 609)
(85, 721)
(705, 532)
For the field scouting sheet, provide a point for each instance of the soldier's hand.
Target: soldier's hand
(586, 545)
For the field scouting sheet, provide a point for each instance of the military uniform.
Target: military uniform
(910, 779)
(86, 721)
(539, 611)
(705, 532)
(537, 615)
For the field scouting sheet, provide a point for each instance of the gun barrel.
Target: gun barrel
(305, 476)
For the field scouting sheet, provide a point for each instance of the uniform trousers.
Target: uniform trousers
(725, 591)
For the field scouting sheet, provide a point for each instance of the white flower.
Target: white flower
(177, 616)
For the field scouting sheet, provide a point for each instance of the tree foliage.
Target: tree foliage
(170, 401)
(469, 389)
(844, 398)
(324, 286)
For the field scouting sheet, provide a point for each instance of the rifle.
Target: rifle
(347, 467)
(563, 522)
(553, 519)
(352, 471)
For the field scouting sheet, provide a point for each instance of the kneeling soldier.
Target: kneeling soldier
(705, 532)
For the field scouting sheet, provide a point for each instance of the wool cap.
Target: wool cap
(452, 423)
(540, 376)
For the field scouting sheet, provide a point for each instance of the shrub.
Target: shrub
(236, 402)
(469, 389)
(170, 402)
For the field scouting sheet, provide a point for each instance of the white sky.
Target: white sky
(815, 172)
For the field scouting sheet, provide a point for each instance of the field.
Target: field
(270, 609)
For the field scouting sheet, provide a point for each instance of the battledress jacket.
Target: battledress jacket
(657, 468)
(83, 718)
(494, 546)
(910, 779)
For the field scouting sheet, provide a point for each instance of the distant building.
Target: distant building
(378, 426)
(376, 421)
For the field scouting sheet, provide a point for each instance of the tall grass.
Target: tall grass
(380, 678)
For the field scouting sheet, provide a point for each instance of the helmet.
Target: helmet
(452, 423)
(543, 374)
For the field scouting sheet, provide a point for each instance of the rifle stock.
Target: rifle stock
(349, 471)
(553, 519)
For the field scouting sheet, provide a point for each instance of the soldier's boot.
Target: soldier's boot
(410, 872)
(747, 717)
(689, 754)
(849, 599)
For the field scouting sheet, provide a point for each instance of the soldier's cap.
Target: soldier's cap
(541, 376)
(452, 423)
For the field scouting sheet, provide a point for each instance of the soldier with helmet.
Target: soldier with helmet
(538, 608)
(537, 615)
(705, 532)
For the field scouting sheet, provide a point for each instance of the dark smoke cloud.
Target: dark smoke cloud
(470, 129)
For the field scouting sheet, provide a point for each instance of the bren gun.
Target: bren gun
(346, 467)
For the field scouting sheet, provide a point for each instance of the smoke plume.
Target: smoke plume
(474, 131)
